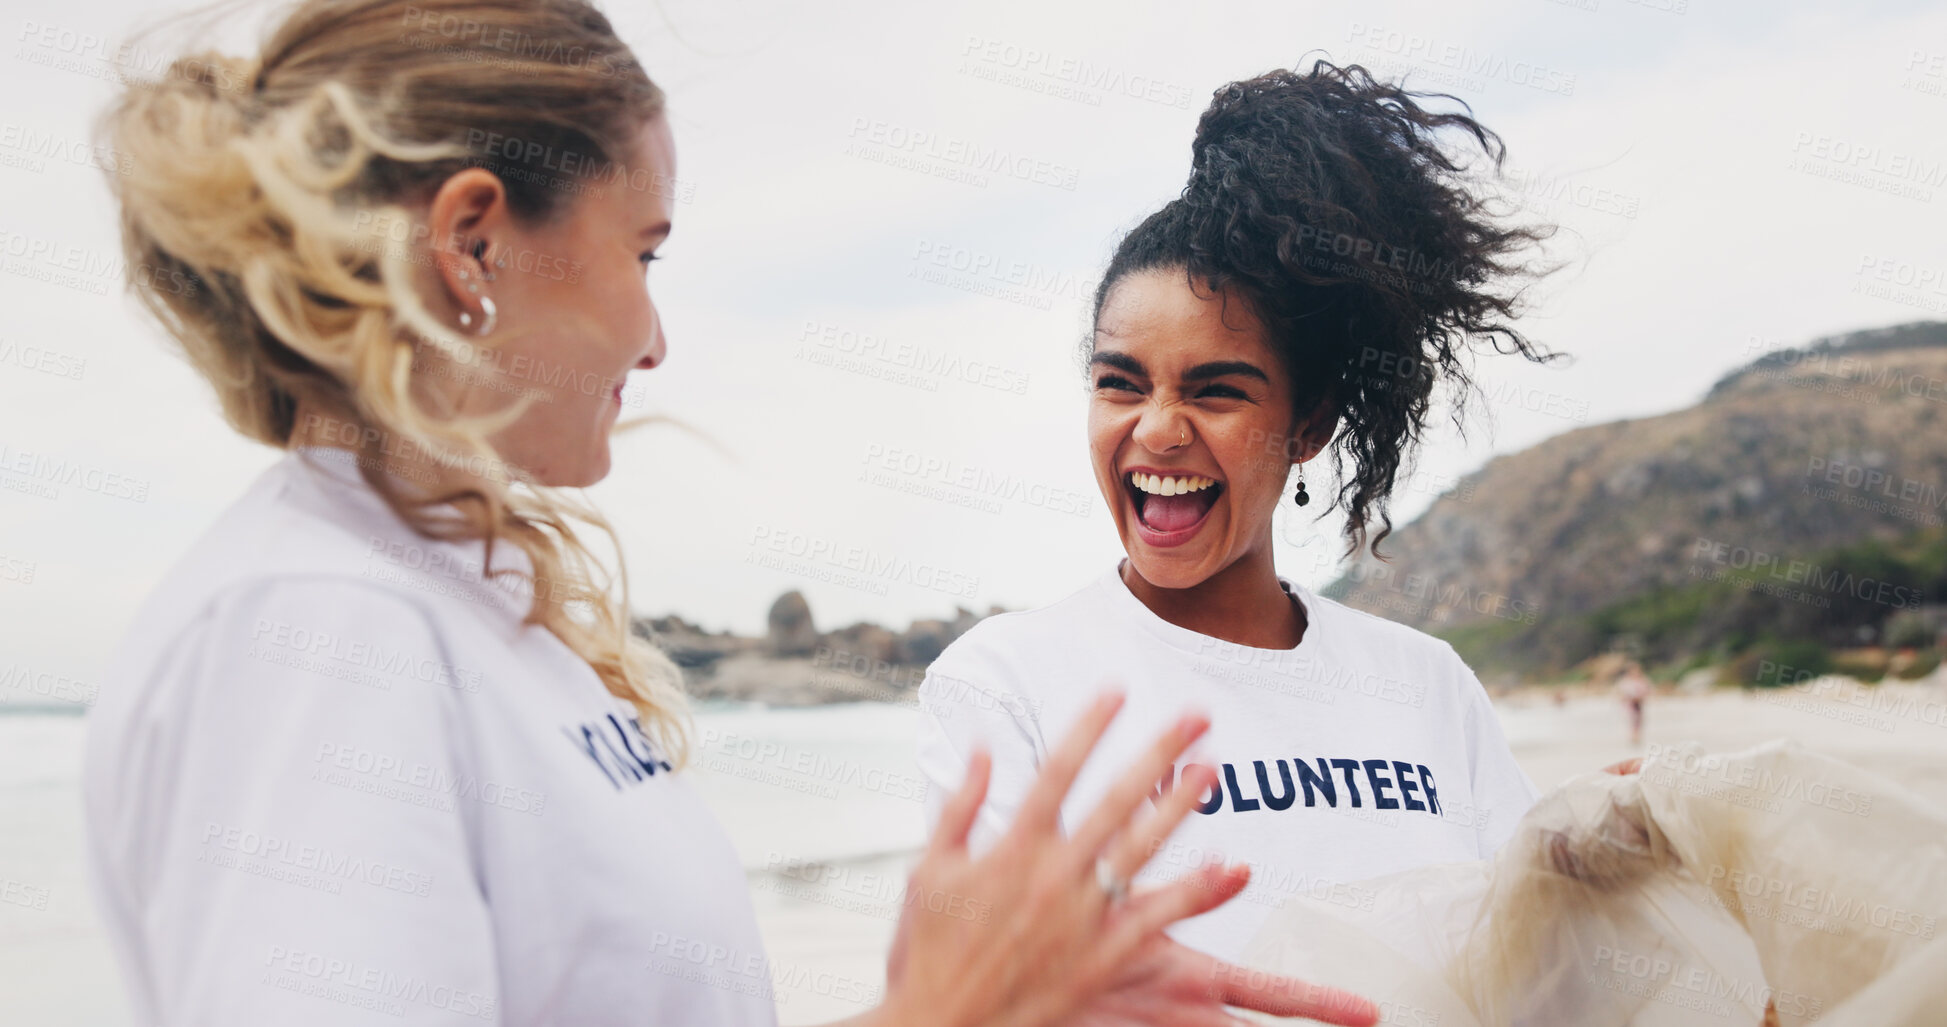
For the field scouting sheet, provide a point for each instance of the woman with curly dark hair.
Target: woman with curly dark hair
(1325, 267)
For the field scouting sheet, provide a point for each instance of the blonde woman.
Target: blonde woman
(380, 747)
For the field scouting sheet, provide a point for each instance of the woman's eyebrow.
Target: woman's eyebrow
(1220, 368)
(1119, 361)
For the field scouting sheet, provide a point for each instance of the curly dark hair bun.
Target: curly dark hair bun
(1368, 254)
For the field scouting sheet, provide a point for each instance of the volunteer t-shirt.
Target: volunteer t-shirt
(333, 779)
(1367, 749)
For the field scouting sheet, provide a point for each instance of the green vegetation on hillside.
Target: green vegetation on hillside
(1767, 624)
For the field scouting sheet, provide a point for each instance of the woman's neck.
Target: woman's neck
(1242, 604)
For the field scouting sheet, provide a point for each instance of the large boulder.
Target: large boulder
(790, 631)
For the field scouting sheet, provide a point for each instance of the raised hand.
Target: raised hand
(1026, 935)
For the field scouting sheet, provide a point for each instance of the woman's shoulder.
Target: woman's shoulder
(277, 539)
(1009, 652)
(1382, 637)
(1056, 623)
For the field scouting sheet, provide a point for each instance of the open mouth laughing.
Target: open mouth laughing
(1170, 507)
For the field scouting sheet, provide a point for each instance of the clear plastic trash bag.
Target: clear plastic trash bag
(1775, 884)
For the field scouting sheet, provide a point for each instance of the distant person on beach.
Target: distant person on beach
(1322, 271)
(381, 746)
(1633, 687)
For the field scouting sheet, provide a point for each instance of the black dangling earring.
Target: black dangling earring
(1302, 497)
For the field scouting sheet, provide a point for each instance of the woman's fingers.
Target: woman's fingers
(957, 816)
(1289, 996)
(1236, 986)
(1043, 803)
(1130, 851)
(1138, 783)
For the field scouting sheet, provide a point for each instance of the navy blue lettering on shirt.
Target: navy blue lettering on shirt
(624, 755)
(1390, 784)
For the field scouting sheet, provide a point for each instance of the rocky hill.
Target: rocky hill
(1788, 481)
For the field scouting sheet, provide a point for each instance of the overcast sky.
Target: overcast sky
(1731, 177)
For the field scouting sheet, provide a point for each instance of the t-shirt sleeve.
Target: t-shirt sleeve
(1502, 791)
(963, 700)
(289, 875)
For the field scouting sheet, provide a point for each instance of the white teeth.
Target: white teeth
(1158, 485)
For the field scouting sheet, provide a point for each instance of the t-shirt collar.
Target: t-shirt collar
(341, 465)
(1195, 642)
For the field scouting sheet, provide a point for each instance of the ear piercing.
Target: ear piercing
(490, 314)
(486, 323)
(1302, 497)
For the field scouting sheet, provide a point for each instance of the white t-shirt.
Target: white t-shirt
(1370, 748)
(332, 779)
